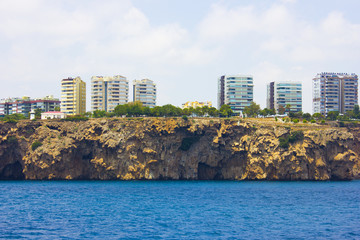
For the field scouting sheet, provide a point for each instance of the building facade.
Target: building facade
(26, 104)
(237, 91)
(144, 91)
(284, 95)
(334, 92)
(108, 92)
(73, 96)
(53, 115)
(196, 104)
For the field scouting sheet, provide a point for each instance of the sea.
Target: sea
(179, 210)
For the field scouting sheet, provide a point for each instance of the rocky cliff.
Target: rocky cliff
(174, 148)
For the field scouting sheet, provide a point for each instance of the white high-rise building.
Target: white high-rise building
(108, 92)
(144, 91)
(334, 92)
(235, 91)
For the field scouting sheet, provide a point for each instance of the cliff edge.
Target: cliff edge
(174, 148)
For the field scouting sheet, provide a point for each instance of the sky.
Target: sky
(184, 46)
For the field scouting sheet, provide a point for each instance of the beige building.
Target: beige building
(144, 91)
(108, 92)
(196, 104)
(73, 96)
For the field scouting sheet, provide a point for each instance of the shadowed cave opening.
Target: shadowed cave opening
(12, 171)
(206, 172)
(186, 143)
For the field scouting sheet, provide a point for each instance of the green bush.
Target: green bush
(35, 145)
(323, 121)
(304, 121)
(296, 136)
(293, 137)
(313, 121)
(185, 117)
(296, 120)
(284, 142)
(13, 118)
(11, 121)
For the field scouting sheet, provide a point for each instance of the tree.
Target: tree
(287, 108)
(292, 115)
(169, 110)
(205, 110)
(13, 117)
(306, 116)
(263, 112)
(356, 112)
(99, 113)
(186, 111)
(226, 111)
(213, 112)
(38, 112)
(121, 110)
(135, 109)
(252, 110)
(155, 111)
(332, 115)
(88, 114)
(281, 110)
(198, 111)
(57, 109)
(266, 112)
(318, 116)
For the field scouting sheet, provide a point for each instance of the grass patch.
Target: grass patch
(35, 145)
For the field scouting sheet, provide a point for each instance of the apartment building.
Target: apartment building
(235, 91)
(283, 95)
(144, 91)
(196, 104)
(73, 96)
(25, 104)
(108, 92)
(334, 92)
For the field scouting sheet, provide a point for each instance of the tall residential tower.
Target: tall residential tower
(283, 94)
(334, 92)
(73, 96)
(108, 92)
(235, 91)
(144, 91)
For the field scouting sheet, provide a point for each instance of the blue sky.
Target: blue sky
(184, 46)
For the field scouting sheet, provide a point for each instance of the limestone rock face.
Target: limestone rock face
(170, 148)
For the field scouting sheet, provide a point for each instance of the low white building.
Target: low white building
(53, 115)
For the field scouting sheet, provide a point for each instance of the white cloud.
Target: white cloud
(44, 41)
(223, 23)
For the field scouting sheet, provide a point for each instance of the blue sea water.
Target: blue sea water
(179, 210)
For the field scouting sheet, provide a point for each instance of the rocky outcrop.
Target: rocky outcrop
(173, 148)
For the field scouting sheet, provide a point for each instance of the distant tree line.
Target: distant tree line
(254, 111)
(136, 109)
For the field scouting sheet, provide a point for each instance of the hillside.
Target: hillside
(174, 148)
